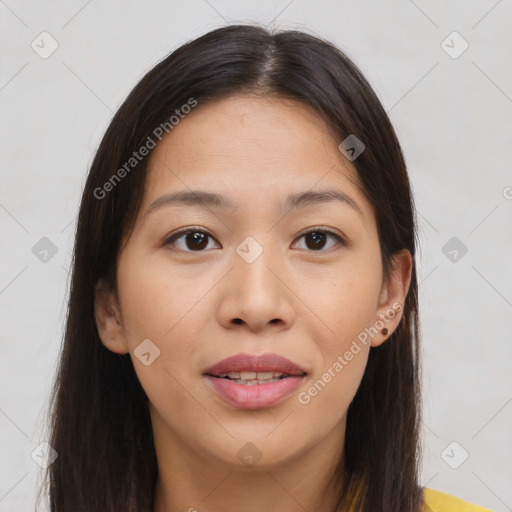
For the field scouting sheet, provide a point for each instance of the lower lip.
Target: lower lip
(257, 396)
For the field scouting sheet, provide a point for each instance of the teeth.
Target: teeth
(254, 382)
(251, 378)
(267, 375)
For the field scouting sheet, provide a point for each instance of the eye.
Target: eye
(315, 238)
(196, 240)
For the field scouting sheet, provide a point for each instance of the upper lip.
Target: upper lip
(255, 363)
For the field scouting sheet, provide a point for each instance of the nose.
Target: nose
(256, 294)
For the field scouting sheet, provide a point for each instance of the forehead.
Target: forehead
(250, 147)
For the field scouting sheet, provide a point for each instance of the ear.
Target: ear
(393, 294)
(107, 316)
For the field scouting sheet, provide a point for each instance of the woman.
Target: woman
(242, 331)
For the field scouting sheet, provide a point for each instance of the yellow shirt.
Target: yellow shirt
(436, 501)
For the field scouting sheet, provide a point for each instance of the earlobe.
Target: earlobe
(393, 295)
(106, 315)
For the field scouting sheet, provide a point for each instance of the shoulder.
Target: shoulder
(436, 501)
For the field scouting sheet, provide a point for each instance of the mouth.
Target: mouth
(255, 378)
(252, 366)
(248, 381)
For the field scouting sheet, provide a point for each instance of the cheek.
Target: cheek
(169, 307)
(157, 300)
(340, 304)
(328, 394)
(343, 349)
(345, 308)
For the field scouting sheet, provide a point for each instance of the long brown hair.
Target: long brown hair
(98, 413)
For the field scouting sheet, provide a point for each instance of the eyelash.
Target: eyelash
(171, 239)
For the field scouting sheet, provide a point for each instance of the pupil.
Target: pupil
(314, 235)
(196, 243)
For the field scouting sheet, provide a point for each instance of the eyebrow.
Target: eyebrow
(205, 199)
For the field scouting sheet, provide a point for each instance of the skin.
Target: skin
(304, 303)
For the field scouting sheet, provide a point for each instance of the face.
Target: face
(257, 276)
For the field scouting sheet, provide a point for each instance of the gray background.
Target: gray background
(452, 116)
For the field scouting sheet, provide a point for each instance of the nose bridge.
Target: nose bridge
(254, 259)
(254, 293)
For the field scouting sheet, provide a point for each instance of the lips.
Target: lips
(246, 381)
(253, 363)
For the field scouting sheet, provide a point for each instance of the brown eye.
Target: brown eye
(193, 240)
(316, 239)
(196, 240)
